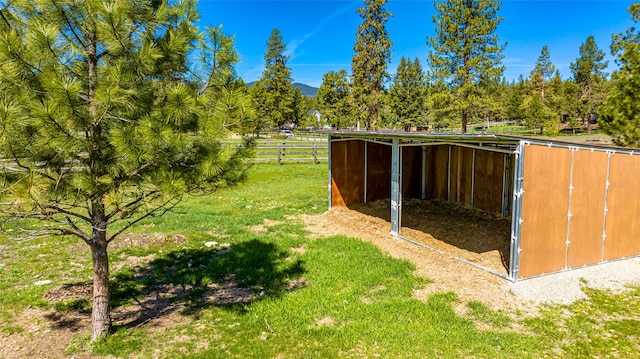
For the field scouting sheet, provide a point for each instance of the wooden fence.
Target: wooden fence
(291, 152)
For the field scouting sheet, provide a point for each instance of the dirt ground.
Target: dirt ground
(447, 232)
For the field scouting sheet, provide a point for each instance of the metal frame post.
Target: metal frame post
(606, 204)
(395, 187)
(516, 216)
(569, 215)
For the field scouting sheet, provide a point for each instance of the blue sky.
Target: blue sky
(320, 34)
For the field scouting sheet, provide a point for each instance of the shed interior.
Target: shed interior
(566, 205)
(435, 175)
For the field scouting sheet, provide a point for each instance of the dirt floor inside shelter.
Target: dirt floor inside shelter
(455, 230)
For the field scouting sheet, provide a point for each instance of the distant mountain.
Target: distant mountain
(306, 90)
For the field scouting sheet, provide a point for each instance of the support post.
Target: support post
(516, 216)
(606, 204)
(569, 215)
(395, 187)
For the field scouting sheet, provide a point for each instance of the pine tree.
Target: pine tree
(372, 53)
(542, 71)
(515, 95)
(225, 96)
(588, 74)
(620, 113)
(466, 51)
(274, 91)
(100, 123)
(333, 98)
(570, 92)
(299, 108)
(407, 94)
(537, 106)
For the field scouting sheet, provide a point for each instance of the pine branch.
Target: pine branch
(133, 205)
(72, 28)
(41, 232)
(157, 211)
(115, 34)
(67, 213)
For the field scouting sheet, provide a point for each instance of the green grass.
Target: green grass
(351, 300)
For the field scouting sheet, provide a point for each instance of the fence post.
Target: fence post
(315, 154)
(279, 154)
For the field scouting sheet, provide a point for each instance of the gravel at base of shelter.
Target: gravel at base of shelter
(565, 287)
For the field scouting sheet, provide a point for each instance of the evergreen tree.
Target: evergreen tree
(556, 99)
(273, 92)
(372, 53)
(259, 99)
(466, 51)
(225, 97)
(333, 98)
(99, 123)
(570, 92)
(439, 104)
(299, 108)
(620, 113)
(515, 95)
(218, 57)
(406, 95)
(588, 74)
(537, 106)
(542, 72)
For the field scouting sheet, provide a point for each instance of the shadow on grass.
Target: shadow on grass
(186, 281)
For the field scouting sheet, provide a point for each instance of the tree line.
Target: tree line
(462, 83)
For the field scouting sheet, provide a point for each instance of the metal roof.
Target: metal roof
(498, 140)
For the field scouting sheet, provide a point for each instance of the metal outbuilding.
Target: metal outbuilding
(570, 204)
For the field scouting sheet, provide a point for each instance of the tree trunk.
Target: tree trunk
(464, 121)
(100, 318)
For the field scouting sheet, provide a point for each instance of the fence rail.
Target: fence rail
(291, 152)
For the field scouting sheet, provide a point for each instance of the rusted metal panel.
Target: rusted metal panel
(545, 203)
(347, 172)
(379, 171)
(589, 184)
(623, 208)
(489, 179)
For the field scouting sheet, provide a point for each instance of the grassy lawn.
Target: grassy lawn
(301, 297)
